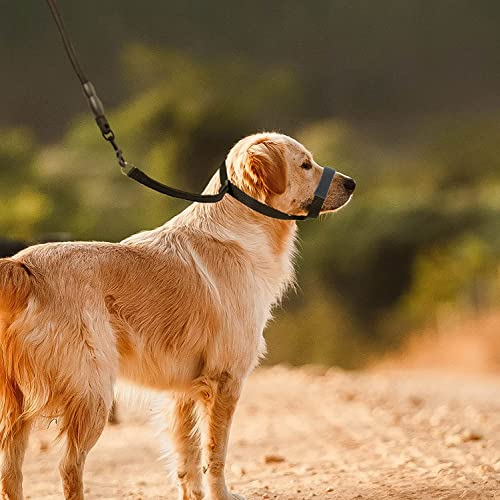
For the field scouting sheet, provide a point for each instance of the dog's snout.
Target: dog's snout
(349, 185)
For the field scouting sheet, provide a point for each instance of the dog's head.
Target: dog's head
(281, 172)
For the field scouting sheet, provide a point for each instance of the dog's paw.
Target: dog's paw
(225, 496)
(191, 495)
(184, 496)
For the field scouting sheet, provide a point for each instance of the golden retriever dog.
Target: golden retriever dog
(180, 309)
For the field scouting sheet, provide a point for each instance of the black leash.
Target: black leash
(138, 175)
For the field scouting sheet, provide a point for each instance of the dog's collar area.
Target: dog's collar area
(227, 187)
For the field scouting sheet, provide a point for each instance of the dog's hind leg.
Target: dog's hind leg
(12, 449)
(83, 423)
(185, 440)
(14, 434)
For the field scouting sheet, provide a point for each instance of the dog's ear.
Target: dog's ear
(266, 166)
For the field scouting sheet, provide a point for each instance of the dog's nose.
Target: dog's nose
(349, 185)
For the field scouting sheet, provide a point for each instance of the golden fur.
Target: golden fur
(180, 308)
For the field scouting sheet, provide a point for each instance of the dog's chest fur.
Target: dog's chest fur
(217, 284)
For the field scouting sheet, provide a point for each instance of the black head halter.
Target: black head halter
(318, 200)
(227, 187)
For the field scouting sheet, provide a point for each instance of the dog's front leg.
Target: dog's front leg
(185, 440)
(219, 402)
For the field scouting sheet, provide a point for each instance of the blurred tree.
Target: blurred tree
(384, 60)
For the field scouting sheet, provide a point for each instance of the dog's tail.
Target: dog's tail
(15, 288)
(15, 284)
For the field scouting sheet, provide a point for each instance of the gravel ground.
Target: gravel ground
(310, 433)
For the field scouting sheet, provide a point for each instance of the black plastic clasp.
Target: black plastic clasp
(97, 109)
(105, 127)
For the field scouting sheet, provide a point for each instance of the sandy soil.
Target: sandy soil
(308, 433)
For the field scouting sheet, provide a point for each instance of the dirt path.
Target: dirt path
(396, 435)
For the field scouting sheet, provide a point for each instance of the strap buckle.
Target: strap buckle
(224, 187)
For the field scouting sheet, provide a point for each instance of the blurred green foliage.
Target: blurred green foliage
(421, 234)
(25, 206)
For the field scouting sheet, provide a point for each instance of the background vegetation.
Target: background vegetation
(402, 95)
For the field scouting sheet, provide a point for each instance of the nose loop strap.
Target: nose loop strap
(321, 192)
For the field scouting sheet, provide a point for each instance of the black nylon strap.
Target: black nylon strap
(321, 192)
(257, 206)
(145, 180)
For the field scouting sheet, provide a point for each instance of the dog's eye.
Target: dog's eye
(306, 165)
